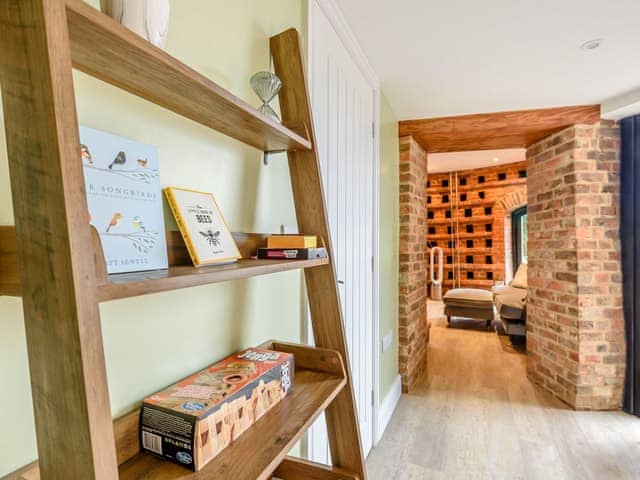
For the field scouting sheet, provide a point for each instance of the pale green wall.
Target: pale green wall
(153, 340)
(389, 212)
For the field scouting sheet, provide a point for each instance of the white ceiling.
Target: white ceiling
(454, 161)
(437, 58)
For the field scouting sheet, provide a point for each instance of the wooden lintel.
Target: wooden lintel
(493, 131)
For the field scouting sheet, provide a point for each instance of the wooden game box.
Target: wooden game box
(193, 420)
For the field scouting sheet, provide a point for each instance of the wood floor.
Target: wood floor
(478, 417)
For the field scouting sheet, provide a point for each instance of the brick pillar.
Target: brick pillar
(413, 263)
(575, 338)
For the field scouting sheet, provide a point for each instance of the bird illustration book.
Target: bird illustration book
(124, 196)
(203, 228)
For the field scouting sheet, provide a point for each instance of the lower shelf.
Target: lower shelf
(320, 376)
(261, 449)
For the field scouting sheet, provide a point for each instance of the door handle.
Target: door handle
(340, 282)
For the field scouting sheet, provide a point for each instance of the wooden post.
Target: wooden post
(324, 302)
(66, 358)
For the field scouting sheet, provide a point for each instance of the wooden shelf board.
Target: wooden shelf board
(180, 274)
(477, 186)
(463, 236)
(106, 50)
(261, 449)
(462, 220)
(141, 283)
(471, 283)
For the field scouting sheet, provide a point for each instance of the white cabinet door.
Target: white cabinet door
(343, 108)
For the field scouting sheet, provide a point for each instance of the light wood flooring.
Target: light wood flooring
(478, 417)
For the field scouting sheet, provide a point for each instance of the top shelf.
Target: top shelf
(106, 50)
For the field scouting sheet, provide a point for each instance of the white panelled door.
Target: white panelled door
(343, 107)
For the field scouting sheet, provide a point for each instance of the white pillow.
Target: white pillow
(520, 278)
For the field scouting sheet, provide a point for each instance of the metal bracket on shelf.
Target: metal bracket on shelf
(265, 155)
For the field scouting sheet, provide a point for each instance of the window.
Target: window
(469, 243)
(463, 180)
(467, 212)
(463, 197)
(445, 199)
(469, 259)
(488, 211)
(447, 214)
(469, 228)
(445, 183)
(481, 195)
(481, 179)
(519, 236)
(502, 176)
(432, 230)
(430, 215)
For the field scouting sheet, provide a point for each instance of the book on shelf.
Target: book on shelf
(124, 197)
(292, 241)
(292, 253)
(203, 227)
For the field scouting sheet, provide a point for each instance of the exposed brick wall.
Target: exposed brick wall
(575, 338)
(413, 334)
(487, 195)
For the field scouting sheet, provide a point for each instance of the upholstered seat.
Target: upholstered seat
(469, 303)
(511, 303)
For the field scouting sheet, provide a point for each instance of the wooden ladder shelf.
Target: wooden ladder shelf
(53, 259)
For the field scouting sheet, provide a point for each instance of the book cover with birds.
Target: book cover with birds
(124, 195)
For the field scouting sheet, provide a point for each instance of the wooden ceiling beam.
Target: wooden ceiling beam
(489, 131)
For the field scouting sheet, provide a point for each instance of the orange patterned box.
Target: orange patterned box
(194, 420)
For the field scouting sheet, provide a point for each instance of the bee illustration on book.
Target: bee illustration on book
(120, 159)
(85, 154)
(213, 238)
(143, 162)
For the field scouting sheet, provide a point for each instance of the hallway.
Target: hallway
(478, 417)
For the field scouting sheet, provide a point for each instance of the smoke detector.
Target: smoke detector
(591, 44)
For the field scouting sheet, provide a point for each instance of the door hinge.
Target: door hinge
(372, 263)
(373, 129)
(372, 398)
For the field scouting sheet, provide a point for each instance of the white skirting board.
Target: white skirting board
(388, 406)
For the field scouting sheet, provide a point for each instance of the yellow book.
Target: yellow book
(292, 241)
(203, 228)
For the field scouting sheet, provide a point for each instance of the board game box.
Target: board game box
(192, 421)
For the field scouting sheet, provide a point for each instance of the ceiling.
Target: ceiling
(437, 58)
(455, 161)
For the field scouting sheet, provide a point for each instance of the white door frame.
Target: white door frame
(339, 23)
